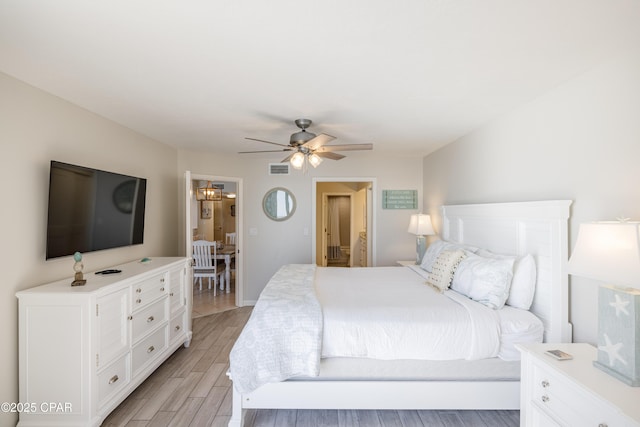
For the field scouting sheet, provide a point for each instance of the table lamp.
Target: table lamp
(420, 225)
(610, 252)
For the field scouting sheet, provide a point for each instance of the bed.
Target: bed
(365, 376)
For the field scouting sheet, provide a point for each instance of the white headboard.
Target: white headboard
(537, 228)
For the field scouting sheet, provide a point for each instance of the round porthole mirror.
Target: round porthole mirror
(279, 204)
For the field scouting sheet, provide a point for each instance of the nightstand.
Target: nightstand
(406, 263)
(572, 392)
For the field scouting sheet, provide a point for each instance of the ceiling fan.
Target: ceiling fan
(308, 146)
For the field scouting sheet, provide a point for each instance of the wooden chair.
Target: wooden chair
(230, 239)
(206, 265)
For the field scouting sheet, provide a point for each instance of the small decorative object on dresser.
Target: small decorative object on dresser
(91, 346)
(610, 252)
(572, 392)
(78, 279)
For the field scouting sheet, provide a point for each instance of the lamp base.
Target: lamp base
(421, 247)
(619, 333)
(629, 381)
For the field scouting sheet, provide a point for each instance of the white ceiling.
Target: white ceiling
(407, 75)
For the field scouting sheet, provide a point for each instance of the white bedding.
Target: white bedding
(382, 313)
(389, 313)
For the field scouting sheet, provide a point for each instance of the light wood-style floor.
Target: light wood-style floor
(204, 303)
(191, 389)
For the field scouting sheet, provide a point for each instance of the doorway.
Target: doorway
(217, 218)
(343, 222)
(336, 230)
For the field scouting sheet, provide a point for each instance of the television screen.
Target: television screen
(91, 210)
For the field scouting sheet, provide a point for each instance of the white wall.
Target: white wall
(580, 142)
(35, 128)
(279, 243)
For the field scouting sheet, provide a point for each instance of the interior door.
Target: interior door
(189, 211)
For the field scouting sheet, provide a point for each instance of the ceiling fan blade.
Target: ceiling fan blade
(268, 142)
(265, 151)
(329, 155)
(346, 147)
(318, 141)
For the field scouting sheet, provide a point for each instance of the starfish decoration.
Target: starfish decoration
(612, 350)
(620, 305)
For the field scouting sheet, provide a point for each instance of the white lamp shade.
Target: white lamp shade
(420, 225)
(609, 252)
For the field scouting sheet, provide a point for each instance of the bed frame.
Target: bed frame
(538, 228)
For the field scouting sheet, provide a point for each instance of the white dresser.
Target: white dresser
(573, 392)
(84, 349)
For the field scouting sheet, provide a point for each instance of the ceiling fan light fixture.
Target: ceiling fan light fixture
(297, 160)
(315, 160)
(307, 147)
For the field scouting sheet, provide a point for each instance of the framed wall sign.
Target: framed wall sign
(399, 199)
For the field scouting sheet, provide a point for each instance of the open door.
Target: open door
(188, 241)
(189, 211)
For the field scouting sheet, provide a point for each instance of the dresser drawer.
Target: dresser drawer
(568, 403)
(149, 318)
(147, 291)
(113, 378)
(148, 349)
(177, 326)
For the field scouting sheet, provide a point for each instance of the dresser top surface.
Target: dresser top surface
(130, 271)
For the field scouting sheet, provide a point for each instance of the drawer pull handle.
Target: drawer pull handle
(545, 383)
(138, 290)
(138, 301)
(162, 280)
(177, 327)
(130, 317)
(150, 349)
(162, 289)
(171, 294)
(545, 399)
(113, 379)
(150, 319)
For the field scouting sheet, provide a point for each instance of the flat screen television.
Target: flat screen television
(91, 210)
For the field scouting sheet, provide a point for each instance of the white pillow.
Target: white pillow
(444, 268)
(431, 254)
(438, 246)
(485, 280)
(523, 285)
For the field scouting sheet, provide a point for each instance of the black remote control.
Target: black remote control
(109, 271)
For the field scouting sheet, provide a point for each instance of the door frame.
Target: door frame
(371, 217)
(189, 178)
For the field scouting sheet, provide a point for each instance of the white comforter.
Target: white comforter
(389, 313)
